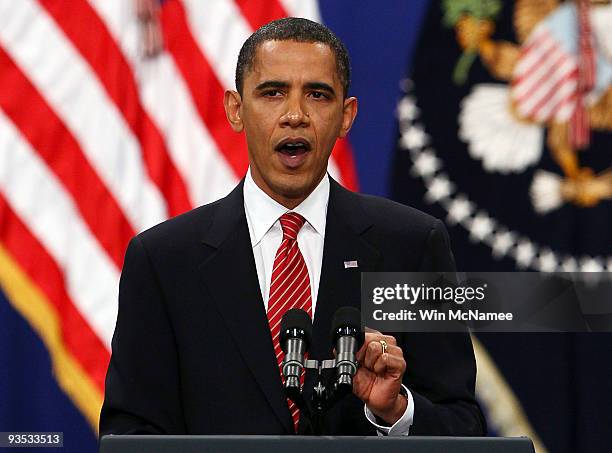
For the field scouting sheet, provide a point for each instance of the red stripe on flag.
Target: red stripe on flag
(55, 144)
(78, 337)
(95, 43)
(343, 155)
(206, 90)
(260, 13)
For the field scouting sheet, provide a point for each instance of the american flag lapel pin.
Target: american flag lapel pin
(349, 264)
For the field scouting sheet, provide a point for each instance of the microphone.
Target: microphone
(295, 339)
(347, 338)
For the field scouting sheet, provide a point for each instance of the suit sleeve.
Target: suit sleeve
(438, 256)
(142, 392)
(441, 369)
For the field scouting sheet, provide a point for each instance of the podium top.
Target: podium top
(308, 444)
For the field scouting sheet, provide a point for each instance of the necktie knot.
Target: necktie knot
(291, 223)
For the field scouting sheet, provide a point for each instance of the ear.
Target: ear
(349, 112)
(232, 101)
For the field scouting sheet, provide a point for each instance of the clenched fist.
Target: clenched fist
(379, 378)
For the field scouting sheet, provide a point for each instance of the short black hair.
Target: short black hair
(299, 30)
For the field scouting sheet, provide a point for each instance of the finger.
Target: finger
(380, 366)
(390, 339)
(372, 338)
(375, 334)
(372, 352)
(369, 337)
(363, 379)
(389, 364)
(395, 351)
(391, 349)
(362, 383)
(396, 364)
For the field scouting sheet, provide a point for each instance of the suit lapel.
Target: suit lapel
(240, 303)
(341, 286)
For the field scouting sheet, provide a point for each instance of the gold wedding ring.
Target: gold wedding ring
(384, 345)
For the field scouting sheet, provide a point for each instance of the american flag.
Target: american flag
(556, 71)
(545, 80)
(101, 137)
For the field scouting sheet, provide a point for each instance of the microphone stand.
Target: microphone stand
(347, 338)
(323, 396)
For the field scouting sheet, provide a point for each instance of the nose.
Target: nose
(295, 115)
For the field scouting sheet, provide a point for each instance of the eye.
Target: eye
(272, 93)
(319, 95)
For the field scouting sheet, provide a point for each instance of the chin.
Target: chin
(294, 186)
(293, 191)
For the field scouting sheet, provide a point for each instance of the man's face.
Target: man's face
(292, 111)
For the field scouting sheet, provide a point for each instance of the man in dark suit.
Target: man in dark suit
(200, 294)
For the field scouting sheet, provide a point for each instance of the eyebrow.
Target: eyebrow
(280, 84)
(271, 84)
(320, 86)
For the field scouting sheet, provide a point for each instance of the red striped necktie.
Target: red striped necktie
(290, 287)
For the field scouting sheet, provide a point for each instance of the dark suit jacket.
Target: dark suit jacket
(192, 351)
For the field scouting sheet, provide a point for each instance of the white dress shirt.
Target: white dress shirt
(263, 214)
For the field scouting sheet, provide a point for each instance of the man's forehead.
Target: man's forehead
(275, 58)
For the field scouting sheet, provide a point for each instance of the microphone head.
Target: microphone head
(347, 321)
(295, 323)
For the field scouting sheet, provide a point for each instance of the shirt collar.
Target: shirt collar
(262, 211)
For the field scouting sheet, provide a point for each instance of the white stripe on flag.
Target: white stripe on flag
(308, 9)
(565, 112)
(334, 170)
(220, 30)
(55, 67)
(48, 211)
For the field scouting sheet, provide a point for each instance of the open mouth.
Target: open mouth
(293, 147)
